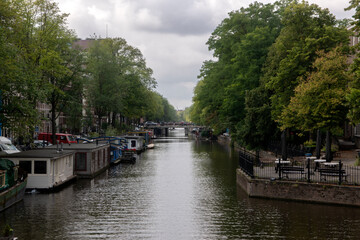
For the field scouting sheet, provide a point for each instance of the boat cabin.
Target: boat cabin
(91, 159)
(135, 143)
(12, 184)
(46, 169)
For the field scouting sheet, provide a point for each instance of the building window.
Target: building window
(39, 167)
(26, 166)
(80, 161)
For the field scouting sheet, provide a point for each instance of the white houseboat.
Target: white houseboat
(135, 143)
(47, 169)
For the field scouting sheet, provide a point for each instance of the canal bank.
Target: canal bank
(299, 191)
(311, 192)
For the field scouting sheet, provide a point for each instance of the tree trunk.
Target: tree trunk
(283, 146)
(113, 122)
(318, 144)
(328, 146)
(99, 123)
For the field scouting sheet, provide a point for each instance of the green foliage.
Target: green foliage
(240, 44)
(353, 99)
(93, 134)
(307, 29)
(310, 143)
(119, 81)
(264, 73)
(319, 101)
(257, 127)
(37, 63)
(8, 231)
(110, 131)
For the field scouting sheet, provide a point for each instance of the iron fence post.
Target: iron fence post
(340, 175)
(279, 169)
(308, 166)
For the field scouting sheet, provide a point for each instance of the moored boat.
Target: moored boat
(12, 184)
(150, 146)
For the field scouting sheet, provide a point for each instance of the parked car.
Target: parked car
(41, 143)
(149, 123)
(60, 137)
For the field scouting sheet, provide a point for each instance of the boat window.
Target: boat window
(26, 166)
(40, 167)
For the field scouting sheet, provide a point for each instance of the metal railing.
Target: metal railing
(247, 161)
(306, 170)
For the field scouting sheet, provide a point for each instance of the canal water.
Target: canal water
(182, 189)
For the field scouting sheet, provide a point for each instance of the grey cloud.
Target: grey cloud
(185, 17)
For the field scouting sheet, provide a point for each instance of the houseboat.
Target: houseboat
(117, 146)
(47, 169)
(135, 143)
(91, 159)
(12, 184)
(148, 138)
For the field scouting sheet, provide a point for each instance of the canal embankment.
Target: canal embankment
(298, 191)
(266, 183)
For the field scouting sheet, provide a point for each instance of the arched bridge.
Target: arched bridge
(163, 130)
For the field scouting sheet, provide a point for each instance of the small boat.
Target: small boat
(12, 184)
(150, 146)
(128, 157)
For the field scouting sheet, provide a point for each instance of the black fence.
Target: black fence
(247, 161)
(306, 170)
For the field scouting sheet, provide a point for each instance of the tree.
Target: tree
(18, 81)
(307, 29)
(320, 99)
(353, 97)
(119, 80)
(257, 127)
(240, 44)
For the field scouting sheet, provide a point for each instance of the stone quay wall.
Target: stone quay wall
(299, 191)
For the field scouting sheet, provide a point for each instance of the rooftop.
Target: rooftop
(40, 153)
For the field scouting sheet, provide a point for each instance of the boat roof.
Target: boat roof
(40, 153)
(79, 146)
(132, 137)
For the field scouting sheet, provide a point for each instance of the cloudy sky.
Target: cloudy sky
(171, 34)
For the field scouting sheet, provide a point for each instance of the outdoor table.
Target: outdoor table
(331, 164)
(281, 162)
(277, 161)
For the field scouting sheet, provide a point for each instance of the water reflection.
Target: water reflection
(182, 189)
